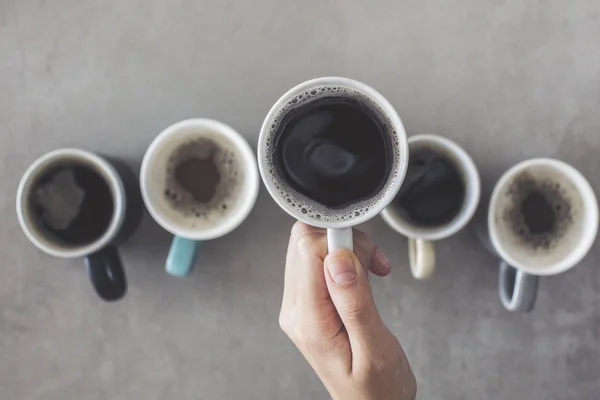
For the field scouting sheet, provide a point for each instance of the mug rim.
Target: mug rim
(590, 204)
(467, 210)
(390, 112)
(249, 163)
(108, 172)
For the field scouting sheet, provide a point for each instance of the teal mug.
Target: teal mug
(199, 181)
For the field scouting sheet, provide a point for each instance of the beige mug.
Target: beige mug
(421, 237)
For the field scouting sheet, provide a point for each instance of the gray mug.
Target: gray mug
(542, 220)
(421, 238)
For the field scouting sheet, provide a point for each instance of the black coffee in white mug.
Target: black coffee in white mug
(332, 152)
(333, 149)
(433, 192)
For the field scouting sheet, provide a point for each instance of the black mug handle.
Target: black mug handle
(107, 274)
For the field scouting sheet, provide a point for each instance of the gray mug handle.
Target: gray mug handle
(517, 289)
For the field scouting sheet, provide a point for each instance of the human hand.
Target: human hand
(328, 311)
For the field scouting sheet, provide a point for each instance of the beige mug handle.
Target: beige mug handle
(421, 256)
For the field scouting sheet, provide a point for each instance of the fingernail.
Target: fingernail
(341, 269)
(382, 260)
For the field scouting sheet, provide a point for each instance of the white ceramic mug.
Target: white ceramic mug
(421, 250)
(188, 230)
(526, 256)
(338, 223)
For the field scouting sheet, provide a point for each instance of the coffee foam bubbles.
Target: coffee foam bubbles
(204, 215)
(305, 205)
(538, 250)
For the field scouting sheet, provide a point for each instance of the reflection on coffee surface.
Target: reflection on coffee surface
(72, 204)
(203, 180)
(539, 213)
(433, 191)
(334, 150)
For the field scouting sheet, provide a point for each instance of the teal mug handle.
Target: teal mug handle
(182, 256)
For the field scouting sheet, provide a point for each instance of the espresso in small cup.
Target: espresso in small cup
(333, 153)
(74, 203)
(438, 198)
(199, 181)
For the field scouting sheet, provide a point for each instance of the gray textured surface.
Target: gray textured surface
(508, 80)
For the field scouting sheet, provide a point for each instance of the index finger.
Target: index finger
(304, 277)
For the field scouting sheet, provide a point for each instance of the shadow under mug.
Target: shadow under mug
(101, 256)
(189, 232)
(338, 222)
(421, 248)
(522, 263)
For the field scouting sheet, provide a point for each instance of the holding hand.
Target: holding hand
(328, 311)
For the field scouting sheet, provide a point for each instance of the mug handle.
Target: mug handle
(339, 238)
(517, 289)
(106, 273)
(182, 256)
(421, 256)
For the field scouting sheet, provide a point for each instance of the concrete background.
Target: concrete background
(508, 80)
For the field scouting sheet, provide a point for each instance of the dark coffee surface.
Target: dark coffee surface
(199, 177)
(334, 150)
(433, 191)
(91, 213)
(539, 213)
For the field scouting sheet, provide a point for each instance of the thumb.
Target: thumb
(350, 292)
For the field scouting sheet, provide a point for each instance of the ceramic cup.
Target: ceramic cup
(338, 222)
(421, 250)
(542, 220)
(72, 203)
(174, 207)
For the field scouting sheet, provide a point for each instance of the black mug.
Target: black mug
(73, 203)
